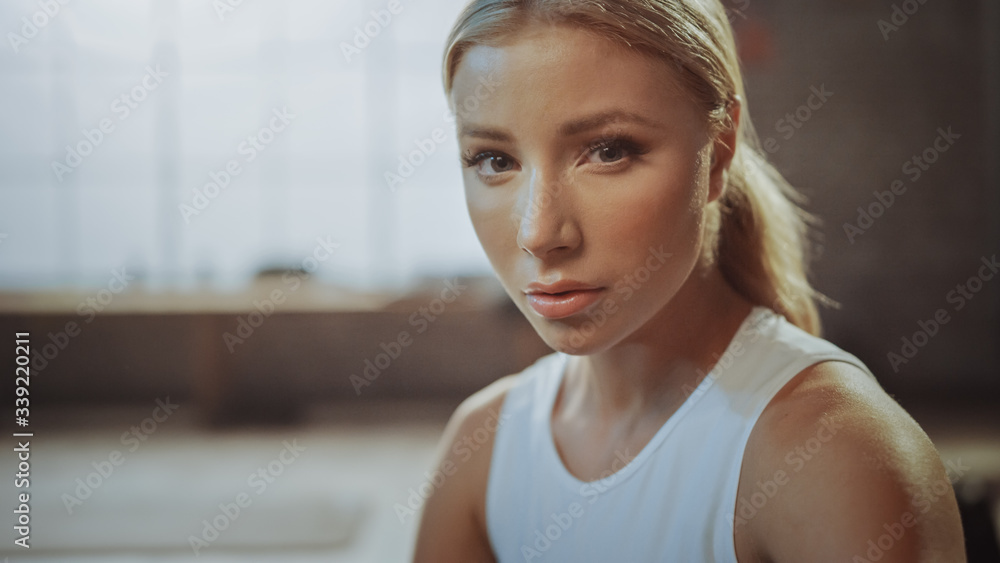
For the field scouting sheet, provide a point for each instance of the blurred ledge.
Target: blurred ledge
(967, 431)
(265, 362)
(78, 421)
(286, 290)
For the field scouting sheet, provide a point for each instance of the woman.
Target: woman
(690, 412)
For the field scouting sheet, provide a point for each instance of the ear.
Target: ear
(723, 149)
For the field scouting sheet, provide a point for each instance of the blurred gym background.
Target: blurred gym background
(236, 234)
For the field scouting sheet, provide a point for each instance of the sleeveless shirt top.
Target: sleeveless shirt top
(675, 500)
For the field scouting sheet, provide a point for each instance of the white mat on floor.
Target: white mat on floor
(159, 520)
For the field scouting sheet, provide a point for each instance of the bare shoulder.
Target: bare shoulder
(483, 403)
(466, 446)
(452, 523)
(470, 431)
(845, 474)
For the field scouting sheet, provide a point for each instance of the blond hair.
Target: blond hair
(756, 231)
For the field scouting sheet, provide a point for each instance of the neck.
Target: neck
(659, 365)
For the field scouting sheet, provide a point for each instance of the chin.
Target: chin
(573, 340)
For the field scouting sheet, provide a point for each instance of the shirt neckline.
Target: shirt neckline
(572, 481)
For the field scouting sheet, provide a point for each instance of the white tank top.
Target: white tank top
(674, 500)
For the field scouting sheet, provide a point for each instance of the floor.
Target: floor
(331, 489)
(334, 502)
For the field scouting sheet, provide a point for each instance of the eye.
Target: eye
(612, 151)
(490, 163)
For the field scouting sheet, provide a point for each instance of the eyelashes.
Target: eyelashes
(470, 159)
(609, 152)
(494, 158)
(617, 145)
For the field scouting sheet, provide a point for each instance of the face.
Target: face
(587, 172)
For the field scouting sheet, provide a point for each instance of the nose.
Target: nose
(545, 222)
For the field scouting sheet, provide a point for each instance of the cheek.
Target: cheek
(660, 208)
(494, 219)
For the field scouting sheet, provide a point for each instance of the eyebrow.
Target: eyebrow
(499, 135)
(604, 118)
(569, 128)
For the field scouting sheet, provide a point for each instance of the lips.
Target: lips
(561, 299)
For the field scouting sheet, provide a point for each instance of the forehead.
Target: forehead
(545, 74)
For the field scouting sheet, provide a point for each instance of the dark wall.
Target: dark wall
(288, 361)
(893, 91)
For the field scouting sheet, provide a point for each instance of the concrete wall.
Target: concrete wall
(892, 94)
